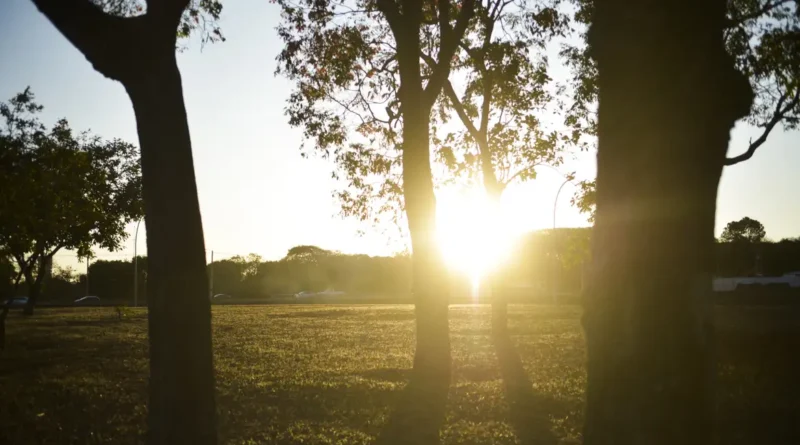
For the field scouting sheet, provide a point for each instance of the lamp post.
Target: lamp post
(555, 207)
(136, 266)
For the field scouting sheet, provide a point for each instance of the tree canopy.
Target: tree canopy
(745, 230)
(502, 69)
(343, 59)
(763, 37)
(61, 190)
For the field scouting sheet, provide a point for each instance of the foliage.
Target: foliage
(502, 69)
(745, 230)
(201, 17)
(763, 36)
(60, 189)
(334, 374)
(343, 58)
(586, 198)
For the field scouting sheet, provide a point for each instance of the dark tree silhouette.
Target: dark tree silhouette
(669, 95)
(746, 229)
(139, 52)
(763, 37)
(350, 57)
(61, 190)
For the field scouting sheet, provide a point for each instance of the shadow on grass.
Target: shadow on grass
(759, 390)
(418, 415)
(528, 411)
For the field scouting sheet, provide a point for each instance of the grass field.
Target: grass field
(336, 375)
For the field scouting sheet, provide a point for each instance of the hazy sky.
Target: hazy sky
(256, 193)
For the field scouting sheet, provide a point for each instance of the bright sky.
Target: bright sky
(256, 193)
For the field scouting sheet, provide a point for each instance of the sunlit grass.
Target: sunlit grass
(333, 374)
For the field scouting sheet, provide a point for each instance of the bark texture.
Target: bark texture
(431, 296)
(140, 53)
(432, 362)
(669, 95)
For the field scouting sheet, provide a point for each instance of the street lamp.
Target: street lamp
(136, 266)
(555, 207)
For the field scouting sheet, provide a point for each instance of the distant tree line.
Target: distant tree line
(543, 260)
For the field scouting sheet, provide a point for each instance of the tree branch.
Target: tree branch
(450, 38)
(106, 41)
(778, 115)
(462, 114)
(450, 92)
(487, 79)
(519, 172)
(391, 12)
(167, 12)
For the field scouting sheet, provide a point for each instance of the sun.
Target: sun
(474, 233)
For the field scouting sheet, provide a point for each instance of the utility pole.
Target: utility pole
(88, 259)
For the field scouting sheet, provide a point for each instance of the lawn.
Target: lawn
(336, 375)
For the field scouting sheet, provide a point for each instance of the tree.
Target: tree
(358, 74)
(763, 37)
(745, 230)
(61, 190)
(746, 235)
(136, 46)
(669, 94)
(504, 89)
(306, 254)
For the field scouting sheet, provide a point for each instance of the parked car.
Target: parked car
(87, 301)
(16, 302)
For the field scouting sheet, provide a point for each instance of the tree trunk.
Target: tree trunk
(34, 290)
(432, 357)
(499, 300)
(669, 96)
(3, 316)
(182, 407)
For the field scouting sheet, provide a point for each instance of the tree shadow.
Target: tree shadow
(418, 414)
(528, 411)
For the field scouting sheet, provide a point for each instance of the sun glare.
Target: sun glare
(474, 233)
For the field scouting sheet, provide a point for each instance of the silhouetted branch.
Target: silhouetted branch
(520, 172)
(392, 14)
(104, 40)
(778, 115)
(168, 12)
(462, 113)
(450, 92)
(450, 38)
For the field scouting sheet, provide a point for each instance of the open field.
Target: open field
(336, 374)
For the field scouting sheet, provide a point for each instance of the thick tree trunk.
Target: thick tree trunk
(139, 52)
(3, 316)
(432, 357)
(669, 96)
(182, 407)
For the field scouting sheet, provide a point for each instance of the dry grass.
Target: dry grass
(335, 374)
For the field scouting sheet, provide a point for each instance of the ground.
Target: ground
(336, 375)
